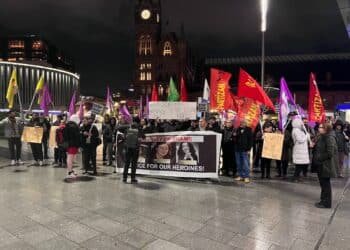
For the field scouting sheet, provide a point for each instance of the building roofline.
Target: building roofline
(296, 58)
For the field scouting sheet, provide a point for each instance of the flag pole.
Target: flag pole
(20, 105)
(31, 103)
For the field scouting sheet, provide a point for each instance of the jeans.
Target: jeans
(242, 162)
(15, 146)
(45, 149)
(37, 151)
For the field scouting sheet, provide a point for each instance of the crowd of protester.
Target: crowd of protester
(323, 149)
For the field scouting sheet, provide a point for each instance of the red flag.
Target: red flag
(183, 91)
(219, 89)
(154, 97)
(249, 111)
(249, 87)
(232, 102)
(316, 108)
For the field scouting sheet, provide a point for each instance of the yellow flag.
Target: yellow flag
(39, 87)
(12, 89)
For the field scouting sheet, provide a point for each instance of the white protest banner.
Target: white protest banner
(178, 154)
(173, 110)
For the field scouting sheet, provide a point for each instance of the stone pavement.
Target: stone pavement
(39, 210)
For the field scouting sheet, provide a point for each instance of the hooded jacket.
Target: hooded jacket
(300, 139)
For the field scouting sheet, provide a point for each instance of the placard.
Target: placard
(273, 146)
(97, 109)
(173, 110)
(52, 138)
(32, 134)
(178, 154)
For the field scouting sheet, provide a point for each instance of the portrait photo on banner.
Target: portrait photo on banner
(187, 153)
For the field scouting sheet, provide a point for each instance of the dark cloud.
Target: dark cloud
(99, 34)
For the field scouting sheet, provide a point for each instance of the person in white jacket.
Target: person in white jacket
(301, 157)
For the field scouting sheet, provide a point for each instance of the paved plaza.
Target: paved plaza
(40, 210)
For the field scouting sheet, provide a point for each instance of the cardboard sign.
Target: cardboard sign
(52, 138)
(173, 110)
(32, 134)
(273, 146)
(97, 109)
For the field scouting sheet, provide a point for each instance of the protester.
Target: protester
(71, 138)
(282, 166)
(213, 125)
(37, 149)
(106, 135)
(342, 140)
(46, 134)
(202, 125)
(61, 150)
(301, 157)
(266, 163)
(90, 140)
(243, 138)
(193, 126)
(56, 123)
(228, 150)
(325, 159)
(13, 128)
(132, 152)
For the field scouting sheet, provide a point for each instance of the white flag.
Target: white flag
(206, 91)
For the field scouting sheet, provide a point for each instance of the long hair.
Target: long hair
(154, 148)
(181, 153)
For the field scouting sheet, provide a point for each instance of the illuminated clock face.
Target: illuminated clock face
(145, 14)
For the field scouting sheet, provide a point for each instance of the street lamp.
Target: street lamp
(263, 9)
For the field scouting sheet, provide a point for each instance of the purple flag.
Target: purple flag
(109, 100)
(287, 104)
(45, 100)
(125, 113)
(71, 109)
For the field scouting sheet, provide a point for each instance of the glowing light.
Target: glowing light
(263, 7)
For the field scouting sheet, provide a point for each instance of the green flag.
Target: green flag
(173, 95)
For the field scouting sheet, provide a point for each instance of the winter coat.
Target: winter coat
(325, 156)
(108, 132)
(341, 142)
(300, 139)
(12, 130)
(287, 146)
(94, 139)
(243, 139)
(71, 134)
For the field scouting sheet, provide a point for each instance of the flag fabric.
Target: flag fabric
(71, 109)
(12, 89)
(248, 111)
(109, 101)
(173, 95)
(219, 89)
(249, 87)
(316, 108)
(154, 97)
(286, 104)
(39, 88)
(125, 113)
(232, 103)
(183, 91)
(206, 91)
(45, 100)
(301, 111)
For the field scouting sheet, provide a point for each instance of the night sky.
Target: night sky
(99, 34)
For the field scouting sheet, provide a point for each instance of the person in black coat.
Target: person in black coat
(71, 141)
(325, 158)
(228, 150)
(37, 149)
(243, 137)
(89, 140)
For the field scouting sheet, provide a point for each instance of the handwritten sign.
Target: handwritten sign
(52, 138)
(173, 110)
(32, 134)
(97, 109)
(273, 146)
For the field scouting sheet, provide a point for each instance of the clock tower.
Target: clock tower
(148, 32)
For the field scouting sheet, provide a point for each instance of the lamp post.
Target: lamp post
(263, 9)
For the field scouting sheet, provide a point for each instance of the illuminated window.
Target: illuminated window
(142, 76)
(149, 65)
(145, 45)
(12, 59)
(161, 90)
(16, 44)
(37, 45)
(149, 76)
(167, 49)
(142, 66)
